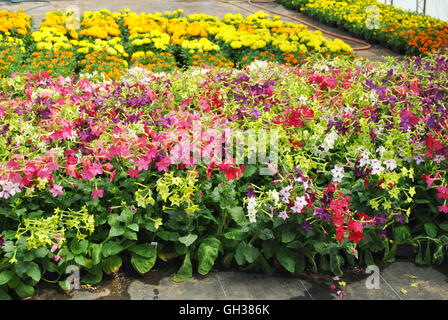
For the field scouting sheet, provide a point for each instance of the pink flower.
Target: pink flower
(97, 193)
(57, 258)
(443, 208)
(54, 247)
(133, 173)
(56, 190)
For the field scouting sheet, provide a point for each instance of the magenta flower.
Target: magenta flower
(97, 193)
(56, 190)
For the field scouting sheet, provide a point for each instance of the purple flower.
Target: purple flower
(399, 218)
(307, 226)
(250, 193)
(2, 241)
(382, 233)
(381, 218)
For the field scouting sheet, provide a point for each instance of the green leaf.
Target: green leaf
(389, 255)
(336, 262)
(133, 227)
(237, 214)
(79, 247)
(287, 236)
(266, 234)
(268, 249)
(402, 233)
(168, 236)
(145, 250)
(111, 248)
(142, 264)
(24, 290)
(419, 257)
(186, 270)
(207, 254)
(188, 239)
(96, 252)
(300, 264)
(239, 253)
(235, 234)
(249, 170)
(250, 253)
(116, 230)
(431, 229)
(41, 252)
(4, 295)
(112, 264)
(34, 272)
(93, 276)
(368, 258)
(5, 276)
(286, 259)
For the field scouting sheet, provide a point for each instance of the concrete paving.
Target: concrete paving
(398, 281)
(217, 8)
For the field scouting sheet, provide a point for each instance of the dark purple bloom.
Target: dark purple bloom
(2, 241)
(250, 193)
(382, 233)
(307, 226)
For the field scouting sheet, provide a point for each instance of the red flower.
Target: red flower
(355, 236)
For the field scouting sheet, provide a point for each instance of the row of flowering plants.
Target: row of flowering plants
(108, 43)
(335, 163)
(403, 31)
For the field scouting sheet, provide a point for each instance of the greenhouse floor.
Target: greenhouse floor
(219, 9)
(398, 281)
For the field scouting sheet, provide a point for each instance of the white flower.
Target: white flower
(286, 193)
(299, 204)
(251, 210)
(274, 195)
(329, 140)
(283, 215)
(439, 158)
(391, 164)
(338, 173)
(419, 159)
(376, 166)
(381, 150)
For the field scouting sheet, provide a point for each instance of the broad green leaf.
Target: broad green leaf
(186, 270)
(250, 253)
(145, 250)
(111, 248)
(24, 290)
(79, 247)
(207, 254)
(188, 239)
(116, 230)
(431, 229)
(237, 214)
(287, 236)
(112, 264)
(34, 272)
(142, 264)
(93, 276)
(286, 259)
(235, 234)
(5, 276)
(96, 252)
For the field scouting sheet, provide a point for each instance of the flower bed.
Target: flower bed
(106, 43)
(403, 31)
(97, 171)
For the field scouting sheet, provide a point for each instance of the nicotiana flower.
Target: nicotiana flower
(286, 193)
(8, 188)
(376, 166)
(390, 164)
(439, 158)
(338, 173)
(56, 190)
(299, 204)
(329, 141)
(284, 215)
(252, 210)
(419, 159)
